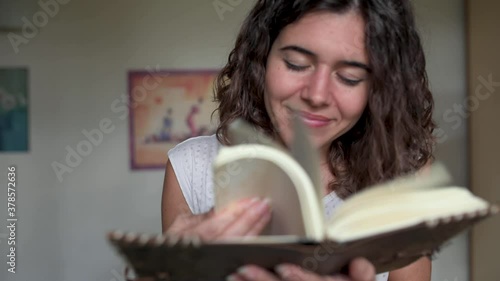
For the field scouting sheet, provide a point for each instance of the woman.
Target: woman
(354, 70)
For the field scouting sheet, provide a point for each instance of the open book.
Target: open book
(392, 224)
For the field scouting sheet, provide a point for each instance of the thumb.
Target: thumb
(361, 269)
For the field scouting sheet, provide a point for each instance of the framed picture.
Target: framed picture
(166, 108)
(14, 110)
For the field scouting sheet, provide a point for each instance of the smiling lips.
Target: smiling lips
(313, 120)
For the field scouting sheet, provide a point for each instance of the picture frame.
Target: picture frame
(167, 107)
(14, 109)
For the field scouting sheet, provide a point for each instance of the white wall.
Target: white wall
(78, 63)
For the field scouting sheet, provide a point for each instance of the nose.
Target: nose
(318, 90)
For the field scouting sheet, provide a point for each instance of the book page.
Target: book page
(244, 171)
(396, 209)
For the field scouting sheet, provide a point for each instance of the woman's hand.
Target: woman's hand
(359, 270)
(247, 217)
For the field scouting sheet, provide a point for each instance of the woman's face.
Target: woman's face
(318, 68)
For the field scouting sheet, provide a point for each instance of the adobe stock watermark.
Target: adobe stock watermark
(460, 112)
(117, 276)
(223, 6)
(94, 137)
(48, 9)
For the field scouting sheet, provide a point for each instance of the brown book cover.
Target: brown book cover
(183, 259)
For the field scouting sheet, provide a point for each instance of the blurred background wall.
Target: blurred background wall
(78, 63)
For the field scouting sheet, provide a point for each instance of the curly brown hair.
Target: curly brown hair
(394, 135)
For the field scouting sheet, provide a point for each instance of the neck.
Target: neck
(326, 175)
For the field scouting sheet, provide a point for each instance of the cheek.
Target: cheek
(276, 93)
(280, 84)
(279, 89)
(353, 104)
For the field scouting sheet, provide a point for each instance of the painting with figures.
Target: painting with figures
(166, 108)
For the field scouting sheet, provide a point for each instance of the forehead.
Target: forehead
(327, 34)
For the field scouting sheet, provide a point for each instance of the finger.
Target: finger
(185, 222)
(291, 272)
(259, 225)
(360, 269)
(255, 273)
(212, 228)
(235, 277)
(251, 221)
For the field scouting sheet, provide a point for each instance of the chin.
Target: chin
(320, 144)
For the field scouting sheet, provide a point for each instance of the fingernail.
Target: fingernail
(267, 201)
(262, 207)
(247, 202)
(231, 278)
(281, 270)
(254, 200)
(245, 272)
(286, 271)
(243, 203)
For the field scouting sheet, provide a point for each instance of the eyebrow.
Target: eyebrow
(312, 54)
(299, 50)
(356, 64)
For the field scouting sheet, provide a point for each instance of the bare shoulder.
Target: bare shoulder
(190, 156)
(173, 202)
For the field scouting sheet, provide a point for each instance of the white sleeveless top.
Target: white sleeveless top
(192, 163)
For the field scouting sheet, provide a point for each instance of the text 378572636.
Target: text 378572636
(11, 218)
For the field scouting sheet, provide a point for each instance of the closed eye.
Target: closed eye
(295, 67)
(348, 81)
